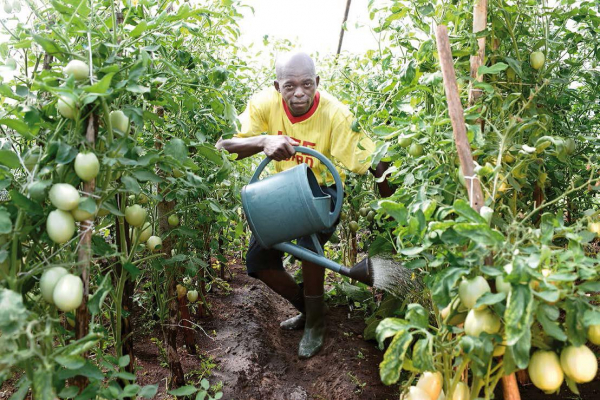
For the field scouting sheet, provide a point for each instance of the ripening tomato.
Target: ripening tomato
(593, 334)
(471, 290)
(146, 232)
(415, 393)
(479, 321)
(431, 382)
(78, 69)
(60, 226)
(181, 291)
(545, 371)
(461, 392)
(68, 293)
(64, 196)
(135, 215)
(48, 281)
(537, 59)
(153, 243)
(579, 363)
(87, 166)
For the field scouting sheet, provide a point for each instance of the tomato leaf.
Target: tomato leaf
(444, 284)
(493, 70)
(390, 367)
(18, 126)
(177, 149)
(70, 362)
(9, 158)
(5, 222)
(518, 314)
(102, 86)
(50, 46)
(489, 299)
(183, 391)
(575, 309)
(42, 384)
(148, 391)
(547, 315)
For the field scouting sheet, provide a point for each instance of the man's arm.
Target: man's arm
(278, 147)
(384, 187)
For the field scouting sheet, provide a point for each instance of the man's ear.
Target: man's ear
(317, 79)
(276, 84)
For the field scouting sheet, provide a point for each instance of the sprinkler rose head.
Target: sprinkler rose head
(386, 274)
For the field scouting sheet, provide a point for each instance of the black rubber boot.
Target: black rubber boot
(314, 330)
(297, 322)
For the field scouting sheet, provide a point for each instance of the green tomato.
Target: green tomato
(579, 363)
(32, 157)
(48, 281)
(17, 6)
(570, 146)
(545, 371)
(371, 216)
(487, 213)
(81, 215)
(7, 7)
(135, 215)
(68, 293)
(363, 211)
(537, 59)
(502, 286)
(510, 74)
(153, 243)
(173, 220)
(143, 199)
(415, 150)
(177, 173)
(87, 166)
(192, 295)
(37, 190)
(471, 290)
(60, 226)
(479, 321)
(119, 121)
(64, 196)
(78, 69)
(404, 141)
(67, 107)
(353, 225)
(431, 382)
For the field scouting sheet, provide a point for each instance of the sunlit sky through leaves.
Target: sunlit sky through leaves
(311, 25)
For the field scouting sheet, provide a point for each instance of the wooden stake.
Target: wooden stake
(458, 119)
(509, 383)
(339, 49)
(164, 208)
(479, 24)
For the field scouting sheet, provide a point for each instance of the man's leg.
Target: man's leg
(314, 329)
(267, 265)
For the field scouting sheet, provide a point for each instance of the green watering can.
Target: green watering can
(290, 205)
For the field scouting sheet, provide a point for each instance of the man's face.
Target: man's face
(298, 88)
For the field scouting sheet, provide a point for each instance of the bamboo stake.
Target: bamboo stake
(509, 382)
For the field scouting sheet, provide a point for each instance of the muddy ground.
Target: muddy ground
(254, 359)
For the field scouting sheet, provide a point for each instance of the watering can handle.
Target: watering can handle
(336, 177)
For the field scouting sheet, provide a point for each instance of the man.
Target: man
(295, 113)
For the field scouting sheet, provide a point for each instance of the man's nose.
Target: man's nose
(298, 92)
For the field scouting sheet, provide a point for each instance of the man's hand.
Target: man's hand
(279, 147)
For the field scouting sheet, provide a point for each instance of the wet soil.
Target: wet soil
(254, 359)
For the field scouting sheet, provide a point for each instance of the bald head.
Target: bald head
(297, 81)
(294, 63)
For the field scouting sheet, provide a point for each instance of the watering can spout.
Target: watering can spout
(362, 272)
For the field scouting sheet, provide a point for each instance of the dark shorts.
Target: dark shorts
(258, 258)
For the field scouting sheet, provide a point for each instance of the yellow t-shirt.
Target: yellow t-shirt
(326, 127)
